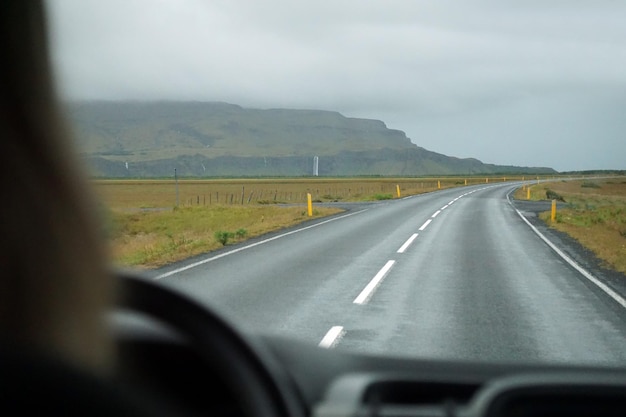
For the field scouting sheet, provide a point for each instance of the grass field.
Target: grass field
(595, 215)
(146, 227)
(154, 238)
(136, 194)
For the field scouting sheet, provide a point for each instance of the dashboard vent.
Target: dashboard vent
(395, 395)
(419, 393)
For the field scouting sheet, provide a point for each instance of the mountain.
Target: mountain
(151, 139)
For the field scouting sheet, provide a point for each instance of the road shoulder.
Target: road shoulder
(571, 247)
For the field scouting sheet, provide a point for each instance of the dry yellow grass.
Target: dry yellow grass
(147, 229)
(595, 215)
(149, 239)
(132, 194)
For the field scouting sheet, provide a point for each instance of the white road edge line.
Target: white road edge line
(615, 296)
(444, 207)
(436, 214)
(332, 337)
(407, 243)
(369, 289)
(222, 255)
(425, 225)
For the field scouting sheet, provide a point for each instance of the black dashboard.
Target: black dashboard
(189, 359)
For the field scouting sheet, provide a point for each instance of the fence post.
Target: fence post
(176, 180)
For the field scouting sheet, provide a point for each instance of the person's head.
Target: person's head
(53, 281)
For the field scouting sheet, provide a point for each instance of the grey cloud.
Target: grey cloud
(471, 78)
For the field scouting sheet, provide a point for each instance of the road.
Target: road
(455, 274)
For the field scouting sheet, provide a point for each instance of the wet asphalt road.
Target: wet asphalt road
(476, 283)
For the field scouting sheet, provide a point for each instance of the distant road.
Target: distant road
(455, 274)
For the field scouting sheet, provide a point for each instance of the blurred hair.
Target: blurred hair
(54, 285)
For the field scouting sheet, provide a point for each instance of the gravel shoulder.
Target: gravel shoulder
(570, 246)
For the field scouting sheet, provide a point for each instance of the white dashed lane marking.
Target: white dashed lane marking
(407, 243)
(425, 225)
(369, 289)
(332, 337)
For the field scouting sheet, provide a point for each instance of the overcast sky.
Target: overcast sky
(531, 83)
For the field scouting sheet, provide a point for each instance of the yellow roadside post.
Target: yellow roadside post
(309, 204)
(438, 184)
(527, 193)
(553, 215)
(398, 189)
(465, 181)
(486, 180)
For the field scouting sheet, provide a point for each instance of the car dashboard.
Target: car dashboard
(293, 378)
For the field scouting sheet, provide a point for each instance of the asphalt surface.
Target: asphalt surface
(476, 283)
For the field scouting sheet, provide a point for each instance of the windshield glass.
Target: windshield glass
(423, 179)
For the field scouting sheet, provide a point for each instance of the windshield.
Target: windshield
(423, 179)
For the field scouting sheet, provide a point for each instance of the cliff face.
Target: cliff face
(150, 139)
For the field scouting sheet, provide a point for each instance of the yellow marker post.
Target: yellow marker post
(528, 193)
(398, 189)
(309, 204)
(503, 179)
(465, 181)
(438, 184)
(553, 215)
(486, 180)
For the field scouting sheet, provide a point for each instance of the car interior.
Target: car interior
(177, 357)
(280, 377)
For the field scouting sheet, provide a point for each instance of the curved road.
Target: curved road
(455, 274)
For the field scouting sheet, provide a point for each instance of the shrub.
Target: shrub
(223, 237)
(589, 184)
(383, 196)
(331, 198)
(553, 195)
(241, 233)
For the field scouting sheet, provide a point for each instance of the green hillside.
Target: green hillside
(147, 139)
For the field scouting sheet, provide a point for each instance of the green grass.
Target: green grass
(382, 196)
(152, 239)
